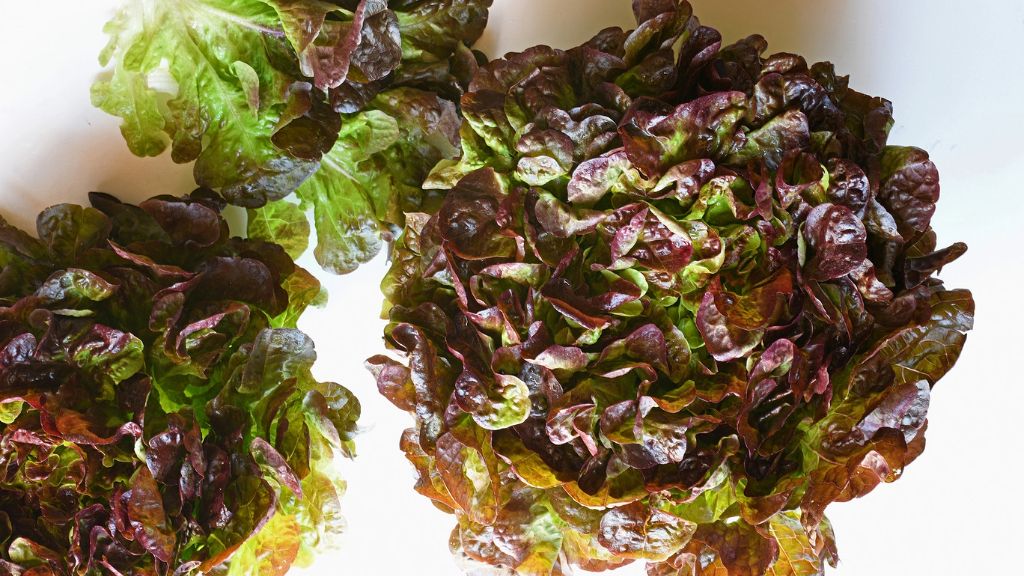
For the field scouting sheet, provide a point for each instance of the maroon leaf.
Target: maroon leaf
(838, 239)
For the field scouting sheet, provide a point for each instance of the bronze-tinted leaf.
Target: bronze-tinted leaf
(640, 532)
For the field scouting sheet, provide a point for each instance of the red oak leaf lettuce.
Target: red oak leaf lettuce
(678, 299)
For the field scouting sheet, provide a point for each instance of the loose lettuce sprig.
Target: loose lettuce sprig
(679, 298)
(263, 94)
(157, 410)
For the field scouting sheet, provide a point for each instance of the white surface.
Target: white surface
(956, 78)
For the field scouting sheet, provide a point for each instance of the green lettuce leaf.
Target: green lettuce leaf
(227, 100)
(281, 223)
(260, 94)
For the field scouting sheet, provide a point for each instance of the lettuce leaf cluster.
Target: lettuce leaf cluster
(157, 410)
(678, 299)
(348, 102)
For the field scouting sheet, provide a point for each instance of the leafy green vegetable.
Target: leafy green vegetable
(281, 223)
(260, 94)
(157, 410)
(375, 169)
(678, 298)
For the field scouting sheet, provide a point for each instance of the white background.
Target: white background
(954, 71)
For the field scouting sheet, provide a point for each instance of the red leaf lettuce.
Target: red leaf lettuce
(679, 298)
(157, 410)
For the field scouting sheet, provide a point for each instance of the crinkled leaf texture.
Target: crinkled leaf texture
(260, 94)
(678, 298)
(157, 410)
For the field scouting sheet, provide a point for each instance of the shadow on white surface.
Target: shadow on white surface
(69, 166)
